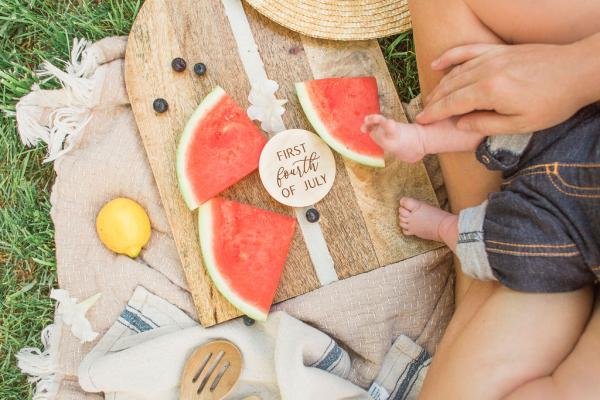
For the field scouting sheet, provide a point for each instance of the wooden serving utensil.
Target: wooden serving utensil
(211, 372)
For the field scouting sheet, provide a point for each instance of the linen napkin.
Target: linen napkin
(143, 354)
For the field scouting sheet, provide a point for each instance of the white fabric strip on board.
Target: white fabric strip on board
(261, 86)
(317, 248)
(255, 70)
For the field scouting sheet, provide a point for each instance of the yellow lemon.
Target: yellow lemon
(123, 226)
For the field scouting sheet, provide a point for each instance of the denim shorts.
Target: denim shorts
(541, 232)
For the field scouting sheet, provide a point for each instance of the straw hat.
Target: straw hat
(338, 19)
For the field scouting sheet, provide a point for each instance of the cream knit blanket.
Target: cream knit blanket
(90, 127)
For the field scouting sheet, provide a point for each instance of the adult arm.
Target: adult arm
(499, 89)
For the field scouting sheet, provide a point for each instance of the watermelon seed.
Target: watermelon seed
(248, 321)
(178, 64)
(160, 105)
(312, 215)
(200, 69)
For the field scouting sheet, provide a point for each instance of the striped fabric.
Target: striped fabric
(402, 373)
(334, 360)
(135, 320)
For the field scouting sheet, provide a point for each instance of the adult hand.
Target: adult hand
(500, 89)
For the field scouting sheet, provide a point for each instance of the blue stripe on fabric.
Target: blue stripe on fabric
(327, 350)
(135, 321)
(126, 325)
(143, 316)
(332, 356)
(416, 376)
(415, 366)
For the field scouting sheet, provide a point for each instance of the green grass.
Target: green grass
(400, 55)
(32, 31)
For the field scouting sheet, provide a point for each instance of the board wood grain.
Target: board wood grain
(358, 216)
(378, 191)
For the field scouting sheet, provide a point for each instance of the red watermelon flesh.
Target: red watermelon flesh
(219, 147)
(336, 108)
(244, 250)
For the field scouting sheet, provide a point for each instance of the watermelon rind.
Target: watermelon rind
(205, 229)
(185, 186)
(319, 126)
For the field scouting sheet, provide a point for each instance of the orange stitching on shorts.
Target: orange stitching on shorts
(552, 169)
(553, 164)
(585, 196)
(522, 172)
(522, 175)
(557, 174)
(579, 165)
(534, 167)
(552, 246)
(524, 253)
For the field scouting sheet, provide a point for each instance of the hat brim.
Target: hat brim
(338, 19)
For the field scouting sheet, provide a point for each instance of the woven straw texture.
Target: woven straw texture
(338, 19)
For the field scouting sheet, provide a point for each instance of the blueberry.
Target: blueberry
(200, 69)
(312, 215)
(160, 105)
(178, 64)
(248, 321)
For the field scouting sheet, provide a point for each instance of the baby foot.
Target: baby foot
(427, 222)
(405, 141)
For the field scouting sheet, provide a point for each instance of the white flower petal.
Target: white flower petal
(73, 314)
(265, 107)
(255, 113)
(82, 329)
(85, 305)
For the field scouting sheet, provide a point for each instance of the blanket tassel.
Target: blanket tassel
(65, 124)
(41, 366)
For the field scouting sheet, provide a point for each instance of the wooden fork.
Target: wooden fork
(211, 372)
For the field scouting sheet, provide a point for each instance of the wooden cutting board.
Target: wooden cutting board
(358, 216)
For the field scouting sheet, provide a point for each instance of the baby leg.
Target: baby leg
(411, 142)
(420, 219)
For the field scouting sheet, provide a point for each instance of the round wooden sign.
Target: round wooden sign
(297, 168)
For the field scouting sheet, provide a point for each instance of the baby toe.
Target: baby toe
(374, 119)
(404, 213)
(409, 203)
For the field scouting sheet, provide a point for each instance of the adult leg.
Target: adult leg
(512, 339)
(577, 376)
(439, 25)
(530, 21)
(471, 348)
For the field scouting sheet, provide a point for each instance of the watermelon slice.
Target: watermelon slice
(336, 108)
(219, 146)
(244, 250)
